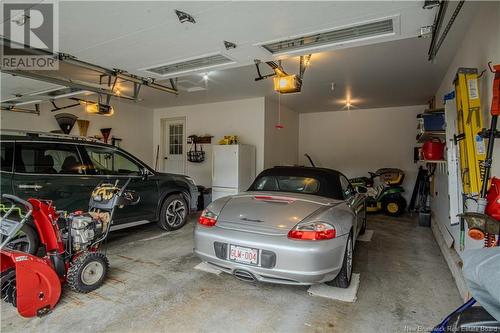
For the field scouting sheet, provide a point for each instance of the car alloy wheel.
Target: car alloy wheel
(175, 213)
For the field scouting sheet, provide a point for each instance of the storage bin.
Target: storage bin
(424, 219)
(433, 122)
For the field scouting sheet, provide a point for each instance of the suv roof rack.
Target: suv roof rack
(49, 135)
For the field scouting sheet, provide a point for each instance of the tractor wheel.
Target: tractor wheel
(87, 272)
(394, 206)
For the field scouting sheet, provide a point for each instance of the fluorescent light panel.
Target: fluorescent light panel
(337, 36)
(191, 65)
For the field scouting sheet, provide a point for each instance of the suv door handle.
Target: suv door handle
(30, 187)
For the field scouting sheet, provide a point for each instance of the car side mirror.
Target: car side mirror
(361, 189)
(144, 173)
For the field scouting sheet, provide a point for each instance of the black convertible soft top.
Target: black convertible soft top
(329, 179)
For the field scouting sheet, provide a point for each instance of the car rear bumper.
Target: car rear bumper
(295, 262)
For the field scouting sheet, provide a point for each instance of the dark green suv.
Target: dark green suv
(66, 169)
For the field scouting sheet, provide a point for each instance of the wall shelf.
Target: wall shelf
(434, 110)
(432, 161)
(425, 136)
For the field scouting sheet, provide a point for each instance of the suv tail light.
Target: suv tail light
(312, 231)
(207, 218)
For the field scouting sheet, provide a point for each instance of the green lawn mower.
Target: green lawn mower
(387, 196)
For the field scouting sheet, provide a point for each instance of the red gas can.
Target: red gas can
(493, 197)
(433, 150)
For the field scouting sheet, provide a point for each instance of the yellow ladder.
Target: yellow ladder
(469, 123)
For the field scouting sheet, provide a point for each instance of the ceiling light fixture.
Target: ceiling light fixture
(184, 17)
(205, 77)
(349, 105)
(229, 45)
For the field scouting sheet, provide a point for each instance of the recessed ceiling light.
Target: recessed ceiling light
(205, 77)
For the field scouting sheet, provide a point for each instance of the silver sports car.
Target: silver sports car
(295, 225)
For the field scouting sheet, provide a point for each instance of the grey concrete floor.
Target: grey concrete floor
(153, 287)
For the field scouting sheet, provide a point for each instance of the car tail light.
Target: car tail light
(312, 231)
(207, 218)
(274, 198)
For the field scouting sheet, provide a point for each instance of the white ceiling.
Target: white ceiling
(131, 35)
(139, 34)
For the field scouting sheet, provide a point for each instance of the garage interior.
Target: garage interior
(168, 82)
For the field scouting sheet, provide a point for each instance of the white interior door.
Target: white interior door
(174, 145)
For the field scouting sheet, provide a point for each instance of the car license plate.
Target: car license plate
(243, 254)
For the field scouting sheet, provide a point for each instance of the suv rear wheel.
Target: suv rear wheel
(173, 213)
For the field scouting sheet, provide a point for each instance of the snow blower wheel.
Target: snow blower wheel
(8, 282)
(87, 272)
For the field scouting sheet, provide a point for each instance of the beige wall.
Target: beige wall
(130, 123)
(280, 145)
(480, 44)
(357, 141)
(244, 118)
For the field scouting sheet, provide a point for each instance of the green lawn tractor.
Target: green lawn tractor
(387, 196)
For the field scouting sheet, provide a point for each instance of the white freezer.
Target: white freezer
(219, 192)
(233, 169)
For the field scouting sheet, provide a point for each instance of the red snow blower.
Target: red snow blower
(71, 245)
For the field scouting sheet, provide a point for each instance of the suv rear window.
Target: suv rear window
(47, 158)
(7, 149)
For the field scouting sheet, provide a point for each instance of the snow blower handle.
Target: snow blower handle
(124, 186)
(10, 227)
(14, 199)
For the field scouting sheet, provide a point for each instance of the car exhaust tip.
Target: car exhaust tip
(244, 275)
